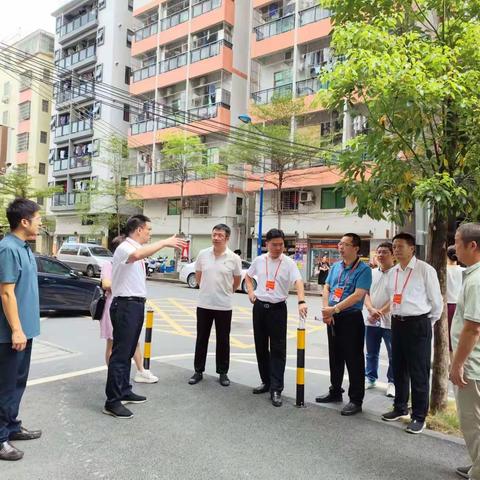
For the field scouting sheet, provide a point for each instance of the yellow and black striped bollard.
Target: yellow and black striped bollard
(148, 340)
(300, 400)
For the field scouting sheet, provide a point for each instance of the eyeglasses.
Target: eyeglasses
(343, 244)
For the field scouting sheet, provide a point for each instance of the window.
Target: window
(239, 208)
(213, 155)
(128, 75)
(24, 111)
(5, 118)
(84, 252)
(201, 206)
(40, 201)
(68, 250)
(332, 198)
(130, 5)
(130, 35)
(25, 80)
(101, 36)
(289, 200)
(173, 206)
(99, 73)
(22, 142)
(45, 106)
(46, 74)
(42, 168)
(126, 112)
(55, 268)
(283, 77)
(6, 89)
(43, 137)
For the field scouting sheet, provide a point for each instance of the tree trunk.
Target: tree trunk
(182, 184)
(441, 359)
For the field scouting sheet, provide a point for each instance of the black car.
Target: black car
(61, 289)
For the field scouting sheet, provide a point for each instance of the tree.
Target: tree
(412, 69)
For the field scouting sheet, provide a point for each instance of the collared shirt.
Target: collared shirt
(18, 266)
(422, 293)
(379, 296)
(454, 282)
(283, 270)
(356, 275)
(128, 279)
(468, 308)
(216, 285)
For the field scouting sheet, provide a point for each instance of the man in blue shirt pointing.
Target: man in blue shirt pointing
(345, 288)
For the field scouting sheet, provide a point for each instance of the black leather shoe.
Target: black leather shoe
(9, 452)
(224, 380)
(25, 434)
(276, 399)
(351, 409)
(195, 378)
(329, 398)
(263, 388)
(133, 398)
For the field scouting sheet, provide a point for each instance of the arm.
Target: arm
(250, 289)
(302, 307)
(9, 304)
(434, 294)
(148, 250)
(236, 282)
(469, 338)
(198, 276)
(351, 300)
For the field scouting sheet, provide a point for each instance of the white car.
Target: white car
(187, 275)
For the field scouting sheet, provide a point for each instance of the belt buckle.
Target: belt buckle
(266, 305)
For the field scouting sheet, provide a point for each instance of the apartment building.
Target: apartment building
(92, 55)
(25, 110)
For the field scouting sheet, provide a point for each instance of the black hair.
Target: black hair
(356, 240)
(21, 209)
(134, 222)
(225, 228)
(410, 239)
(116, 242)
(386, 245)
(274, 233)
(238, 252)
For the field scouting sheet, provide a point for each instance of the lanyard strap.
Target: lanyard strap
(354, 266)
(266, 268)
(406, 281)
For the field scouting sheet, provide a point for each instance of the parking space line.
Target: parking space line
(168, 319)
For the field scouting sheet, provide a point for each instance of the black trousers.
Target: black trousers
(345, 347)
(127, 320)
(270, 334)
(14, 368)
(411, 356)
(223, 323)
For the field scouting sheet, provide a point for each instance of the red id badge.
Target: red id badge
(337, 295)
(270, 284)
(397, 298)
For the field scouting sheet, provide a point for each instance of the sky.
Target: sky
(18, 18)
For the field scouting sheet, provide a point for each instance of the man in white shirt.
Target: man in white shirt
(129, 292)
(416, 303)
(218, 273)
(275, 274)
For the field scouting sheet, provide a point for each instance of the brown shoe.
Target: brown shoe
(9, 452)
(25, 434)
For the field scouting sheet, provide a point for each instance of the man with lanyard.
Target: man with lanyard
(346, 286)
(127, 311)
(416, 303)
(19, 320)
(218, 272)
(275, 274)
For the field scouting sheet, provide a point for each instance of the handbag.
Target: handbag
(97, 305)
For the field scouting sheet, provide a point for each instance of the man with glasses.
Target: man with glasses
(346, 286)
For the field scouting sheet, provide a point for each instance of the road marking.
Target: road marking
(176, 326)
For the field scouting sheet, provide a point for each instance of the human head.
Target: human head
(275, 240)
(116, 242)
(452, 255)
(403, 247)
(220, 235)
(139, 228)
(384, 254)
(349, 246)
(238, 252)
(324, 258)
(467, 243)
(24, 218)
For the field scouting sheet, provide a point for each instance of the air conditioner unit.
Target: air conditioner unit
(306, 197)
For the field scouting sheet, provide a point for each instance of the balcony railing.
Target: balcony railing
(172, 63)
(201, 7)
(76, 57)
(81, 162)
(77, 23)
(174, 20)
(313, 14)
(265, 96)
(310, 86)
(74, 127)
(60, 165)
(164, 176)
(86, 89)
(70, 199)
(275, 27)
(140, 179)
(207, 51)
(220, 95)
(144, 73)
(146, 32)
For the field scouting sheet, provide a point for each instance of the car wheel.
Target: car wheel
(244, 285)
(90, 271)
(192, 281)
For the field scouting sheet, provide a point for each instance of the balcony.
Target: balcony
(163, 177)
(208, 51)
(144, 73)
(81, 164)
(60, 165)
(77, 59)
(205, 6)
(172, 63)
(80, 93)
(220, 95)
(275, 27)
(146, 32)
(78, 26)
(70, 131)
(139, 179)
(263, 97)
(310, 86)
(70, 201)
(312, 14)
(174, 20)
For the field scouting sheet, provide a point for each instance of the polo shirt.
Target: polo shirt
(356, 275)
(216, 286)
(128, 279)
(468, 308)
(18, 266)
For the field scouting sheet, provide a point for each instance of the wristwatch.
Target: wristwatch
(336, 310)
(301, 302)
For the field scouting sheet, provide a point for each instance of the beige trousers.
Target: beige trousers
(468, 407)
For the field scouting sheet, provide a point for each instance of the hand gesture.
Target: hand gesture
(19, 340)
(303, 310)
(175, 242)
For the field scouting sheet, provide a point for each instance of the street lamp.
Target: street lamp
(248, 121)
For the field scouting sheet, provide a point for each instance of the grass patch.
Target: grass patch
(445, 422)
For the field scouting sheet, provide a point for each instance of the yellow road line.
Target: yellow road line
(176, 326)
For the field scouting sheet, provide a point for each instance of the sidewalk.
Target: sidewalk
(211, 432)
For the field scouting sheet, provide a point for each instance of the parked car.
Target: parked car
(86, 258)
(187, 275)
(61, 289)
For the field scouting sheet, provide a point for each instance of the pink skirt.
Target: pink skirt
(106, 330)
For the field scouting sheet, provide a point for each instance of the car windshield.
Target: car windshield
(100, 252)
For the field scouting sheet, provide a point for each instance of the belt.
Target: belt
(273, 306)
(406, 318)
(132, 299)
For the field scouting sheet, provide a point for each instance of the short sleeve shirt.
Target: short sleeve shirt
(18, 266)
(216, 286)
(468, 308)
(357, 275)
(282, 270)
(128, 279)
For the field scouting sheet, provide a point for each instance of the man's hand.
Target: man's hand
(252, 297)
(175, 242)
(303, 310)
(456, 376)
(327, 314)
(19, 340)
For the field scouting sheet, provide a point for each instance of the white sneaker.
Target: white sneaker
(390, 390)
(145, 376)
(370, 384)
